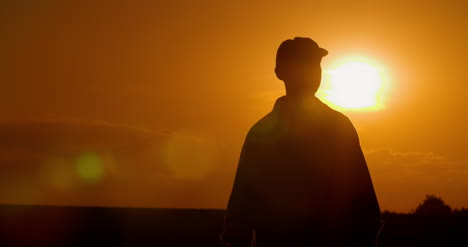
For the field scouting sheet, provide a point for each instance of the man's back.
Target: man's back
(302, 177)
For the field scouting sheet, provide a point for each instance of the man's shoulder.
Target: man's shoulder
(269, 125)
(339, 122)
(264, 127)
(337, 116)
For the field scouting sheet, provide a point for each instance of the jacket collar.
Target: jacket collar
(287, 104)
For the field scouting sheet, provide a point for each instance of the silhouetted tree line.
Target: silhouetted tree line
(433, 205)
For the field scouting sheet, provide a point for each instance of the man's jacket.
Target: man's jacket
(302, 178)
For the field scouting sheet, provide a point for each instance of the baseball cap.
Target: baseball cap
(299, 50)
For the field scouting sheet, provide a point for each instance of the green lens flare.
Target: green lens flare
(89, 167)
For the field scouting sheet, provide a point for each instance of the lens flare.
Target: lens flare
(189, 156)
(59, 173)
(89, 167)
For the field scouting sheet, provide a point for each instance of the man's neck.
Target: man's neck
(296, 92)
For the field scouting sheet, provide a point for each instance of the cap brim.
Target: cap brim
(323, 52)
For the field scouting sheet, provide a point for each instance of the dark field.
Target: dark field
(86, 226)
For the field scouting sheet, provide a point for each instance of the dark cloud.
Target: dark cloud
(72, 135)
(41, 162)
(98, 163)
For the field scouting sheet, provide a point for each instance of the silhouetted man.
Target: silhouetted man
(302, 179)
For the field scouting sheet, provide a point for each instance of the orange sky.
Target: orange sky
(164, 93)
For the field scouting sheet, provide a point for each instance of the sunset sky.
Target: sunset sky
(147, 104)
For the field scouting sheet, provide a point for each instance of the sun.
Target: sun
(354, 83)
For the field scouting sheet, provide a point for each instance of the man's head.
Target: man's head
(298, 65)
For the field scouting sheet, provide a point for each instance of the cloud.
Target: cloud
(71, 135)
(402, 179)
(76, 162)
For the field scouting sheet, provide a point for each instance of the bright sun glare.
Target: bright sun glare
(354, 84)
